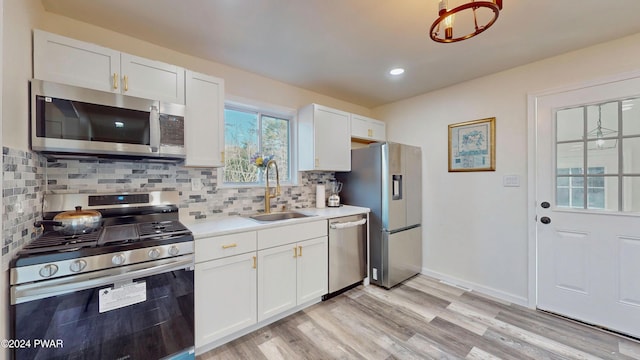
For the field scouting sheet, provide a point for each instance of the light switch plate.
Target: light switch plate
(511, 181)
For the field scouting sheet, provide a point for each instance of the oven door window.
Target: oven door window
(75, 120)
(161, 326)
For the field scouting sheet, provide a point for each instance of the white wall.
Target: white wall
(475, 230)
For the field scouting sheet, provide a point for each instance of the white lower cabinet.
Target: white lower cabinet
(312, 269)
(245, 279)
(225, 297)
(276, 280)
(225, 285)
(290, 275)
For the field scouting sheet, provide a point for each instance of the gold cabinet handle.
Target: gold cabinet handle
(115, 80)
(126, 83)
(300, 248)
(295, 251)
(369, 132)
(227, 246)
(222, 156)
(255, 262)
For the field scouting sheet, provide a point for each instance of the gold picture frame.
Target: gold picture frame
(472, 145)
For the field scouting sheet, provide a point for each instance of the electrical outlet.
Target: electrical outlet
(375, 274)
(196, 184)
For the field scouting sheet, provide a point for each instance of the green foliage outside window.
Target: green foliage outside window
(251, 139)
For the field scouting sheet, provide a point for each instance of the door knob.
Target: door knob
(545, 220)
(545, 205)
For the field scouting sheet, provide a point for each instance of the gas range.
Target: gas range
(136, 228)
(124, 290)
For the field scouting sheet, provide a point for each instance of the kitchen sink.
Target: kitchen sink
(278, 216)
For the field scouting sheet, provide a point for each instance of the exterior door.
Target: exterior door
(588, 204)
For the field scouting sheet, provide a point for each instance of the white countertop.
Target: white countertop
(233, 224)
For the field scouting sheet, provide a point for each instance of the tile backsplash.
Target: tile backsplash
(22, 190)
(27, 176)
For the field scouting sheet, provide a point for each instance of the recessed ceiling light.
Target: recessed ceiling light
(396, 71)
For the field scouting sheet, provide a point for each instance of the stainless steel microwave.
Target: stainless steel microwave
(72, 121)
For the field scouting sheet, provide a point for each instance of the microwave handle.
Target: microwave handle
(154, 129)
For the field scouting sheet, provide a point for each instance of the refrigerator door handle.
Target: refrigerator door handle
(396, 191)
(401, 229)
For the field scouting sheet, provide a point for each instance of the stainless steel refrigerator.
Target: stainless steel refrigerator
(387, 178)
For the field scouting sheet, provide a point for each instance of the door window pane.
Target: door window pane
(570, 124)
(631, 155)
(563, 197)
(631, 117)
(606, 160)
(577, 198)
(596, 192)
(602, 120)
(602, 193)
(631, 198)
(570, 155)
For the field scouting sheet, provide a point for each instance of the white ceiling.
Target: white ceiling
(345, 48)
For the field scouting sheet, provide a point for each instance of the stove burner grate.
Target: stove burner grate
(161, 228)
(54, 240)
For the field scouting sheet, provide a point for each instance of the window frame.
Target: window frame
(242, 104)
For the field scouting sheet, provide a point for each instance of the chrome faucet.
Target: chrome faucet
(268, 194)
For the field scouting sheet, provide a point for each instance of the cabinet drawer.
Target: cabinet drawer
(226, 245)
(291, 233)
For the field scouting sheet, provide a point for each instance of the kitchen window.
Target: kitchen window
(253, 136)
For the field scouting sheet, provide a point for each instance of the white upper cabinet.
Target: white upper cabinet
(367, 129)
(68, 61)
(324, 139)
(151, 79)
(204, 120)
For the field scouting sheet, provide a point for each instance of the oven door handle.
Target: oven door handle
(40, 290)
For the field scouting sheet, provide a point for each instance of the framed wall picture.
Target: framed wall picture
(472, 145)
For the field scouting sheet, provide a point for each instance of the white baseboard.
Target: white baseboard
(467, 285)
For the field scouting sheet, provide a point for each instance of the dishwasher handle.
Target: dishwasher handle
(346, 225)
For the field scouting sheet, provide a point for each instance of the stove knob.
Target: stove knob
(154, 253)
(48, 270)
(173, 251)
(78, 266)
(118, 259)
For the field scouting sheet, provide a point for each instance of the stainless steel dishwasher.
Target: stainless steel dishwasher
(347, 252)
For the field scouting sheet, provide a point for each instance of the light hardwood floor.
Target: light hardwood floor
(424, 319)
